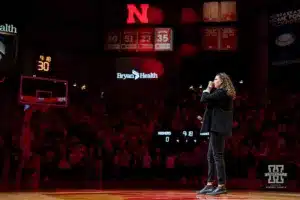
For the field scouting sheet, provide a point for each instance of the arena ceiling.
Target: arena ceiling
(78, 24)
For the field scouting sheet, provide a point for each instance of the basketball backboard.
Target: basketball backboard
(43, 91)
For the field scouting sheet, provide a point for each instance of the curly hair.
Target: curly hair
(227, 84)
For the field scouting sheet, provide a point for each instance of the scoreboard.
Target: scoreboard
(183, 140)
(140, 40)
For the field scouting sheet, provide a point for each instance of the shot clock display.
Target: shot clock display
(44, 63)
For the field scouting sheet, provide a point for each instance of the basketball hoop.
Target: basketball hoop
(44, 92)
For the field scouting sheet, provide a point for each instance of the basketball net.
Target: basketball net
(44, 108)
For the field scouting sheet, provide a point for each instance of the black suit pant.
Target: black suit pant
(215, 157)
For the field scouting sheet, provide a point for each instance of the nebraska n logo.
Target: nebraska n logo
(141, 14)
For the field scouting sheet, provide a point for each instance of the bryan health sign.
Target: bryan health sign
(135, 75)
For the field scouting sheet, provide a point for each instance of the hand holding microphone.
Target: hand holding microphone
(210, 85)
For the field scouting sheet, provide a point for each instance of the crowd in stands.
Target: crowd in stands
(97, 143)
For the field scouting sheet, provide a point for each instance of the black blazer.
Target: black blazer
(218, 116)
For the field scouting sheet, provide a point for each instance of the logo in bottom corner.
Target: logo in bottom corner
(276, 177)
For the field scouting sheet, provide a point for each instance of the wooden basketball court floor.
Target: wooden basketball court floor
(147, 195)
